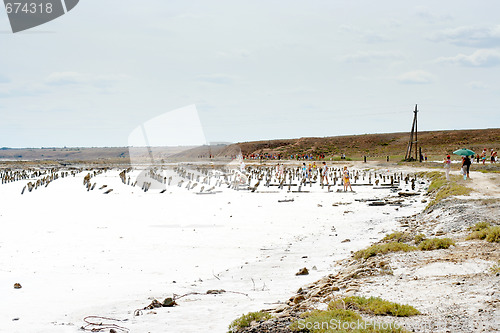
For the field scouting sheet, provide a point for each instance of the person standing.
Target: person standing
(325, 174)
(447, 167)
(347, 181)
(483, 156)
(304, 170)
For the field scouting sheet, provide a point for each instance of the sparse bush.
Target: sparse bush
(435, 243)
(479, 234)
(419, 238)
(496, 268)
(494, 235)
(246, 320)
(382, 249)
(490, 234)
(479, 226)
(398, 236)
(374, 305)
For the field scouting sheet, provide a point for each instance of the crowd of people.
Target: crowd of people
(467, 161)
(493, 155)
(298, 157)
(312, 171)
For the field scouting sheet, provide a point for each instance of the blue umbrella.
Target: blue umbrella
(464, 152)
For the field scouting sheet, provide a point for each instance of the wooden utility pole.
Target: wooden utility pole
(413, 139)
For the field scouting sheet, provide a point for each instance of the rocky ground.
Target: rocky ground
(454, 289)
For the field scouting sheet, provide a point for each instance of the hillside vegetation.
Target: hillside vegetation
(377, 145)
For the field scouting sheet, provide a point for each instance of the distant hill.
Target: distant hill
(355, 146)
(376, 145)
(121, 155)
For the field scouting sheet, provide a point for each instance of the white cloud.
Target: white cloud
(22, 89)
(471, 36)
(430, 16)
(480, 58)
(217, 78)
(4, 79)
(477, 85)
(368, 36)
(369, 56)
(416, 77)
(293, 91)
(241, 53)
(75, 78)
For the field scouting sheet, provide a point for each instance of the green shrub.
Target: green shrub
(382, 249)
(246, 320)
(375, 305)
(435, 243)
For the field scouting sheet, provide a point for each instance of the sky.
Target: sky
(253, 69)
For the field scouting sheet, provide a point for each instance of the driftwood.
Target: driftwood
(408, 194)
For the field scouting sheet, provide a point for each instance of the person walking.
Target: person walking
(447, 167)
(466, 166)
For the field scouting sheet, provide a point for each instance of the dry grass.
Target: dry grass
(486, 232)
(246, 320)
(398, 236)
(374, 305)
(442, 189)
(496, 268)
(382, 249)
(480, 226)
(419, 238)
